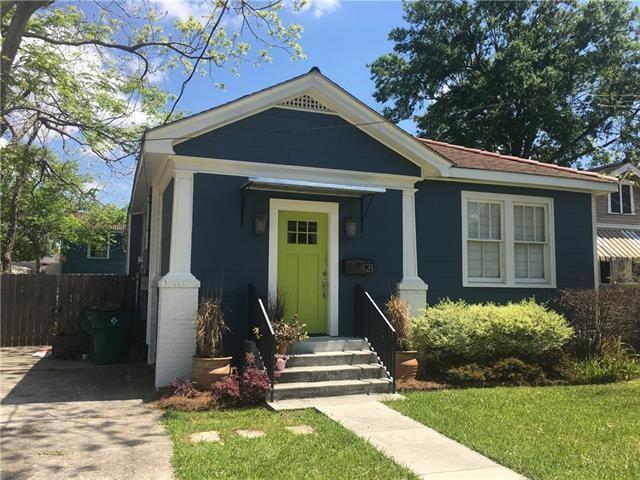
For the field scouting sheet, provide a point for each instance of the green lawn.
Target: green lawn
(331, 453)
(584, 432)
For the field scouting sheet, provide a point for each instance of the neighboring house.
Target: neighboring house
(109, 258)
(283, 187)
(49, 265)
(618, 220)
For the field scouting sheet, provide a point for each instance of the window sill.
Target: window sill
(508, 285)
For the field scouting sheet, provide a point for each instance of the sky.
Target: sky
(339, 37)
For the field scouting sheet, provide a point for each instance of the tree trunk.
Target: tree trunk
(12, 221)
(12, 40)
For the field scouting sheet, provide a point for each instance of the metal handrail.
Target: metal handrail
(265, 337)
(371, 324)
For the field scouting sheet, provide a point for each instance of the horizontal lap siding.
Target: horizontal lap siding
(291, 137)
(439, 239)
(228, 256)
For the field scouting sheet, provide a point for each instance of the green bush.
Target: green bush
(614, 365)
(471, 373)
(454, 333)
(514, 371)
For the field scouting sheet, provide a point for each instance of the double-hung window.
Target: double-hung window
(98, 252)
(507, 240)
(621, 202)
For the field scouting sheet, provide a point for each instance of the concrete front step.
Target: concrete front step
(328, 344)
(331, 358)
(331, 372)
(284, 391)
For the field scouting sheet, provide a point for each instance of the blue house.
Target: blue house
(303, 191)
(109, 258)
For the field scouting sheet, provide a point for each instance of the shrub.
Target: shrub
(514, 371)
(243, 388)
(615, 364)
(601, 316)
(451, 333)
(398, 315)
(182, 388)
(470, 373)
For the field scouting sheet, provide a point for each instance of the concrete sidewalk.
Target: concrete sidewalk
(424, 451)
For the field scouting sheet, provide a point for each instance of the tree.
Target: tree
(558, 81)
(82, 78)
(51, 210)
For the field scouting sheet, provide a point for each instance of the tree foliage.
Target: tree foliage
(53, 208)
(558, 81)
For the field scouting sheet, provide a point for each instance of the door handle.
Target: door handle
(324, 285)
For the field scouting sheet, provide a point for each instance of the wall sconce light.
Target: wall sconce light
(260, 223)
(350, 228)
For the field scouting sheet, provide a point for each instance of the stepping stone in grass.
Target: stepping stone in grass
(211, 436)
(301, 429)
(250, 433)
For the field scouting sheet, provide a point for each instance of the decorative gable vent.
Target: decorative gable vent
(305, 102)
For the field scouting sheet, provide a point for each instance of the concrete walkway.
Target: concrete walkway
(70, 419)
(424, 451)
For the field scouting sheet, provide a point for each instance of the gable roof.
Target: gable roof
(473, 158)
(618, 169)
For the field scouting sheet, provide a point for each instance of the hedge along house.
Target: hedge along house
(302, 190)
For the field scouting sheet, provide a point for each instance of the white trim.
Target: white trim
(507, 257)
(242, 168)
(526, 180)
(91, 257)
(333, 268)
(617, 226)
(594, 239)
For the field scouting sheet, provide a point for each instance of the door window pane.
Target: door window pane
(302, 232)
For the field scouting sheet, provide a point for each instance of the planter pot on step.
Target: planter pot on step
(406, 364)
(281, 349)
(281, 363)
(207, 371)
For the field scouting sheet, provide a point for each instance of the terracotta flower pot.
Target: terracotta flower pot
(281, 349)
(207, 371)
(281, 363)
(406, 364)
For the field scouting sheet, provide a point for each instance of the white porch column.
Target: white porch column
(154, 273)
(411, 288)
(177, 291)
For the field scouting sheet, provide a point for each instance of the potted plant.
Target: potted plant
(400, 318)
(287, 331)
(209, 365)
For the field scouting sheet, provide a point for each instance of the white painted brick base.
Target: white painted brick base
(176, 344)
(414, 292)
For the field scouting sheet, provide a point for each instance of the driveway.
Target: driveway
(70, 419)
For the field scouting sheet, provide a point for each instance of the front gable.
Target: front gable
(310, 101)
(302, 136)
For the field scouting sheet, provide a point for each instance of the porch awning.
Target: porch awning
(300, 186)
(616, 244)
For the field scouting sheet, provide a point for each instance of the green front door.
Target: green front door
(302, 267)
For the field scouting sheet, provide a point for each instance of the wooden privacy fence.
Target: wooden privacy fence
(30, 305)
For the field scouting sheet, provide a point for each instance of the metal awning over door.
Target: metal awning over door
(614, 244)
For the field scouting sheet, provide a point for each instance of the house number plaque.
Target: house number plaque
(357, 267)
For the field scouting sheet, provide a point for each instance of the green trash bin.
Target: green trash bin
(109, 330)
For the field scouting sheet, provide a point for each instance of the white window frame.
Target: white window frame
(619, 193)
(89, 256)
(507, 260)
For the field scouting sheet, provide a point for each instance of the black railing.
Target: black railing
(371, 324)
(262, 331)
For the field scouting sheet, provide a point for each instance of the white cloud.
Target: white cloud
(322, 7)
(183, 9)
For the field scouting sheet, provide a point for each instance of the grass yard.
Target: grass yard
(582, 432)
(331, 452)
